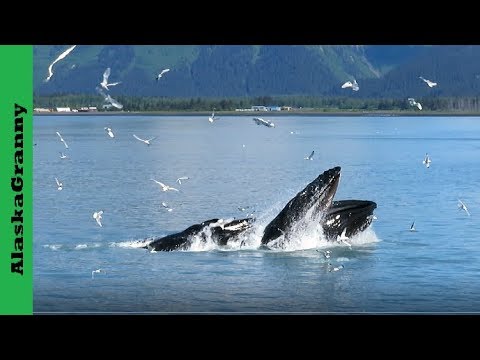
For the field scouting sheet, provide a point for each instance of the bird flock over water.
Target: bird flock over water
(352, 84)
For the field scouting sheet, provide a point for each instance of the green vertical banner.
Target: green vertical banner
(16, 200)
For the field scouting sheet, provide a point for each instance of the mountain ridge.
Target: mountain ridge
(260, 70)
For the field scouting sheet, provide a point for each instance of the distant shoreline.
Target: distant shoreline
(261, 113)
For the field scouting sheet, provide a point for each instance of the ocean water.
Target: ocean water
(234, 163)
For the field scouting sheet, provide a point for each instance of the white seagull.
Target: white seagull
(109, 132)
(60, 57)
(164, 204)
(412, 227)
(462, 206)
(164, 187)
(161, 74)
(310, 157)
(261, 121)
(62, 155)
(108, 98)
(61, 139)
(143, 140)
(105, 83)
(350, 84)
(428, 82)
(97, 215)
(59, 184)
(212, 118)
(343, 237)
(179, 180)
(98, 271)
(427, 160)
(415, 103)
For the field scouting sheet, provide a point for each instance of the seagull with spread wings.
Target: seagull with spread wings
(60, 57)
(161, 74)
(61, 139)
(105, 83)
(143, 140)
(164, 187)
(428, 82)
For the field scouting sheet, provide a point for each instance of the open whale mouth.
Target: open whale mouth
(352, 215)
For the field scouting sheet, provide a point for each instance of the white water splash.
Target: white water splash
(53, 246)
(132, 243)
(86, 246)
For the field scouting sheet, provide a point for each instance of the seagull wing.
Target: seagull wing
(65, 53)
(179, 180)
(115, 102)
(164, 71)
(153, 138)
(115, 83)
(136, 137)
(106, 74)
(311, 155)
(58, 182)
(347, 84)
(50, 73)
(158, 182)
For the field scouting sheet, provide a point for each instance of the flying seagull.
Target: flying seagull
(108, 98)
(59, 184)
(105, 83)
(164, 204)
(462, 206)
(60, 57)
(143, 140)
(164, 187)
(428, 82)
(161, 74)
(412, 227)
(61, 139)
(415, 103)
(109, 132)
(98, 271)
(212, 118)
(427, 160)
(97, 215)
(179, 180)
(261, 121)
(350, 84)
(310, 157)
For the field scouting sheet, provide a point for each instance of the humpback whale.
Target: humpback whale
(313, 203)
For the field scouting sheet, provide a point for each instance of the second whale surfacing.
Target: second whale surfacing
(314, 203)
